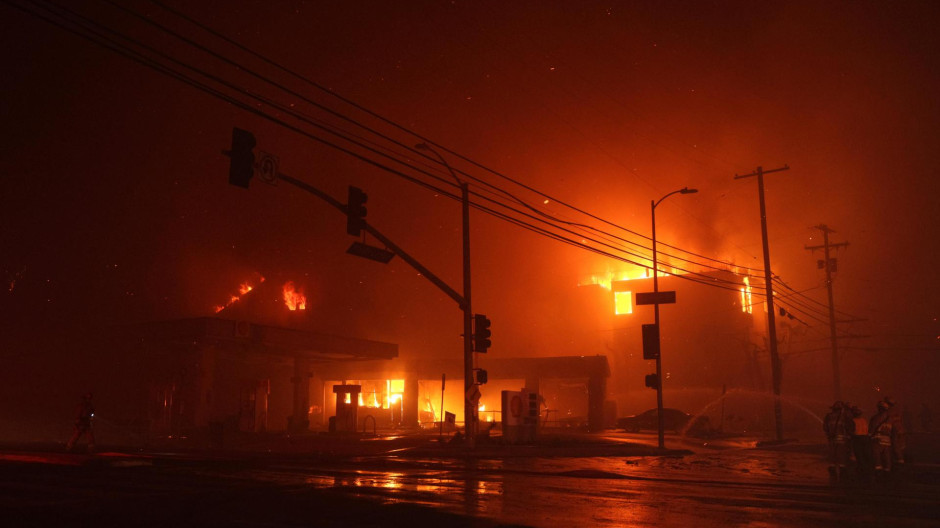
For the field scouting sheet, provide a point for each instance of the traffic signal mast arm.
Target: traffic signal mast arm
(380, 237)
(243, 168)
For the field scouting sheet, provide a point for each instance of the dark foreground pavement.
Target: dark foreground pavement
(416, 480)
(101, 495)
(179, 484)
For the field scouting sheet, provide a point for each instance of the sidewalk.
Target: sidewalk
(319, 446)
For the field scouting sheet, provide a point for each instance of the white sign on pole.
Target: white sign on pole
(267, 168)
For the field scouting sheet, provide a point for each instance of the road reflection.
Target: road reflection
(745, 486)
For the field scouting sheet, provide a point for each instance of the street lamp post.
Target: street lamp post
(659, 361)
(469, 408)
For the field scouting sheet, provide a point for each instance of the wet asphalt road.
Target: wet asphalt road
(730, 486)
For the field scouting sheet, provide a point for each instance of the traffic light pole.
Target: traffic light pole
(469, 406)
(242, 144)
(659, 355)
(659, 360)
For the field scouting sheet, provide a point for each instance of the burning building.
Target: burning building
(252, 377)
(713, 339)
(248, 368)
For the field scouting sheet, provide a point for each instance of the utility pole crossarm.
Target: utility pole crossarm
(831, 246)
(760, 172)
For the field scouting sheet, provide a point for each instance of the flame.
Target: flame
(746, 297)
(294, 299)
(606, 280)
(243, 289)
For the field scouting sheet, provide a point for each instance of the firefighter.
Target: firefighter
(861, 445)
(898, 443)
(837, 426)
(879, 428)
(84, 416)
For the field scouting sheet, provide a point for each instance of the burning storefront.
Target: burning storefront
(413, 392)
(248, 376)
(248, 368)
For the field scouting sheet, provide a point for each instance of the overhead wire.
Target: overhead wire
(147, 61)
(446, 149)
(294, 112)
(619, 102)
(108, 43)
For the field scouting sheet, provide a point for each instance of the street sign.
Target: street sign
(267, 168)
(650, 341)
(663, 297)
(370, 252)
(474, 394)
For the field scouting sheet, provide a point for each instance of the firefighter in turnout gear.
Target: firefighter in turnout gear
(898, 445)
(84, 416)
(861, 445)
(838, 428)
(880, 430)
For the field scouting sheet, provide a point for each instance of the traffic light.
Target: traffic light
(355, 211)
(481, 333)
(482, 376)
(242, 156)
(652, 381)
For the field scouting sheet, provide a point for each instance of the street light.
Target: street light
(659, 361)
(469, 408)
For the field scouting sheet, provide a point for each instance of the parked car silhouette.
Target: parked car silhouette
(673, 420)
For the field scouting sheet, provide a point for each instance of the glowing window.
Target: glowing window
(623, 302)
(746, 297)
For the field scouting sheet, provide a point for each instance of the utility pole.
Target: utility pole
(769, 285)
(830, 265)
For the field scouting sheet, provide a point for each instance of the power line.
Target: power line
(150, 62)
(449, 151)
